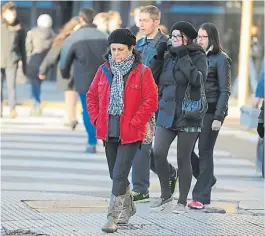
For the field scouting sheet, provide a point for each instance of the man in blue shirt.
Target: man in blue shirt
(149, 21)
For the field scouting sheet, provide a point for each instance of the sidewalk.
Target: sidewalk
(69, 215)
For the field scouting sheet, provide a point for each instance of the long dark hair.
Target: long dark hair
(213, 37)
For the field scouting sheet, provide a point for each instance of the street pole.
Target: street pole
(244, 52)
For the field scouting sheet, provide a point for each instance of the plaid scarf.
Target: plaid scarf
(117, 87)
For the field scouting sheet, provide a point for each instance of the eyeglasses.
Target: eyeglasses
(177, 37)
(202, 37)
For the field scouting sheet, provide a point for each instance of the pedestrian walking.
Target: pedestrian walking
(180, 67)
(63, 84)
(101, 21)
(149, 21)
(217, 88)
(81, 55)
(12, 51)
(38, 43)
(121, 121)
(114, 21)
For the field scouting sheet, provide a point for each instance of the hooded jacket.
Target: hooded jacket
(38, 43)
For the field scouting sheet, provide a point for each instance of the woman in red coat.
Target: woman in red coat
(121, 100)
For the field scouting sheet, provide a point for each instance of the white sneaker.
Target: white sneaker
(179, 209)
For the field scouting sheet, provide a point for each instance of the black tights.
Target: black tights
(186, 140)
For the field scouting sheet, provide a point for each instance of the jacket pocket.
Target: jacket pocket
(166, 114)
(135, 86)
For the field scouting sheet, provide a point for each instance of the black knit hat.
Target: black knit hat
(123, 36)
(186, 28)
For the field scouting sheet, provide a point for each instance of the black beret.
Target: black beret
(186, 28)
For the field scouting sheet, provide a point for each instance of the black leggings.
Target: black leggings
(186, 141)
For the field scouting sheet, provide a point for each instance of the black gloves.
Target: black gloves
(260, 130)
(180, 51)
(160, 50)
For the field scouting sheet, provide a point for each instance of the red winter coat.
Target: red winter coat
(140, 102)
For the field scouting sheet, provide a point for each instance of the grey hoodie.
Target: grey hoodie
(38, 43)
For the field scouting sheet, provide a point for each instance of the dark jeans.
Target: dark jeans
(120, 158)
(35, 90)
(203, 167)
(186, 141)
(9, 74)
(90, 129)
(142, 163)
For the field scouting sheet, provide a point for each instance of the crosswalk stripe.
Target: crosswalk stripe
(52, 187)
(40, 154)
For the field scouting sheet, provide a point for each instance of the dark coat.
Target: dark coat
(12, 45)
(173, 75)
(52, 59)
(83, 51)
(218, 84)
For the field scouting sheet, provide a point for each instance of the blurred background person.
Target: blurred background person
(256, 51)
(114, 21)
(259, 93)
(66, 85)
(12, 51)
(164, 29)
(82, 52)
(38, 43)
(135, 27)
(101, 21)
(218, 90)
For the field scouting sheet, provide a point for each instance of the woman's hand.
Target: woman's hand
(180, 51)
(216, 125)
(160, 50)
(42, 77)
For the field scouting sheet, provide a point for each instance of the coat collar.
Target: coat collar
(154, 41)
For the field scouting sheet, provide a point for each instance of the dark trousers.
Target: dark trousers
(9, 74)
(35, 90)
(186, 141)
(203, 167)
(142, 163)
(120, 158)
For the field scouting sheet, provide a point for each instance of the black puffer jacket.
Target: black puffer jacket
(174, 74)
(12, 45)
(218, 84)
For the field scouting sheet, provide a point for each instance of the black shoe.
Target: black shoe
(140, 197)
(173, 181)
